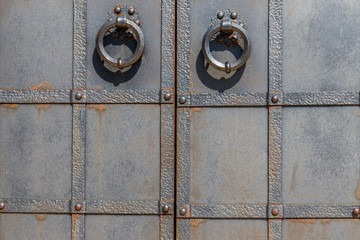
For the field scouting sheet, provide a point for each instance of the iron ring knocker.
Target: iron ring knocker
(226, 26)
(121, 22)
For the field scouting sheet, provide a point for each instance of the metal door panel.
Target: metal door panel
(123, 143)
(122, 227)
(36, 43)
(228, 155)
(35, 226)
(254, 75)
(35, 148)
(321, 155)
(321, 229)
(321, 45)
(144, 74)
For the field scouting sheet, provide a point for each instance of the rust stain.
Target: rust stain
(87, 73)
(193, 110)
(311, 221)
(357, 191)
(10, 105)
(97, 107)
(40, 217)
(358, 113)
(293, 177)
(196, 222)
(323, 221)
(79, 88)
(44, 85)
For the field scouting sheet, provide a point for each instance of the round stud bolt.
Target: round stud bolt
(78, 96)
(166, 208)
(167, 96)
(78, 207)
(234, 38)
(356, 211)
(182, 100)
(220, 15)
(117, 10)
(137, 22)
(233, 15)
(274, 99)
(183, 211)
(2, 205)
(275, 211)
(131, 10)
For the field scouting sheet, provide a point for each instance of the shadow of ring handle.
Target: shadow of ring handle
(226, 26)
(121, 22)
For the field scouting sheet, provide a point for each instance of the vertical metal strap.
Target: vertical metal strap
(275, 119)
(79, 120)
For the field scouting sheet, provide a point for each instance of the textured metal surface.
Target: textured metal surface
(122, 227)
(227, 229)
(228, 211)
(322, 229)
(124, 207)
(121, 96)
(35, 96)
(325, 55)
(35, 226)
(321, 98)
(233, 99)
(275, 229)
(35, 206)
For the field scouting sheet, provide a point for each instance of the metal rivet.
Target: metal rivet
(275, 211)
(356, 211)
(78, 207)
(167, 96)
(182, 100)
(131, 10)
(234, 38)
(233, 15)
(78, 96)
(137, 22)
(2, 205)
(275, 99)
(117, 10)
(182, 211)
(242, 25)
(220, 15)
(166, 208)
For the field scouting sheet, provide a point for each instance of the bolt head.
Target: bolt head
(131, 10)
(137, 22)
(275, 211)
(356, 211)
(167, 96)
(233, 15)
(182, 100)
(234, 38)
(78, 207)
(2, 205)
(182, 211)
(166, 208)
(78, 96)
(117, 10)
(274, 99)
(220, 15)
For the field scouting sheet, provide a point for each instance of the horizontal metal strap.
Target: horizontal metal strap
(140, 207)
(237, 211)
(84, 96)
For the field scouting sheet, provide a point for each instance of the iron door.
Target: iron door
(270, 150)
(86, 149)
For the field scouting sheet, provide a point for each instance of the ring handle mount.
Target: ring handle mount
(123, 19)
(229, 25)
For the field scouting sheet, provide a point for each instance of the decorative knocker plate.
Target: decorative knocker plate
(229, 24)
(123, 19)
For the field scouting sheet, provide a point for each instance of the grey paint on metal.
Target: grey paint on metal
(123, 143)
(227, 229)
(232, 99)
(122, 227)
(166, 227)
(122, 207)
(323, 229)
(318, 211)
(35, 144)
(321, 98)
(78, 226)
(275, 229)
(32, 52)
(252, 77)
(321, 155)
(146, 73)
(228, 211)
(121, 96)
(228, 151)
(35, 96)
(35, 206)
(35, 226)
(182, 229)
(321, 45)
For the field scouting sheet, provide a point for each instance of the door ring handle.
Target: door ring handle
(122, 22)
(228, 27)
